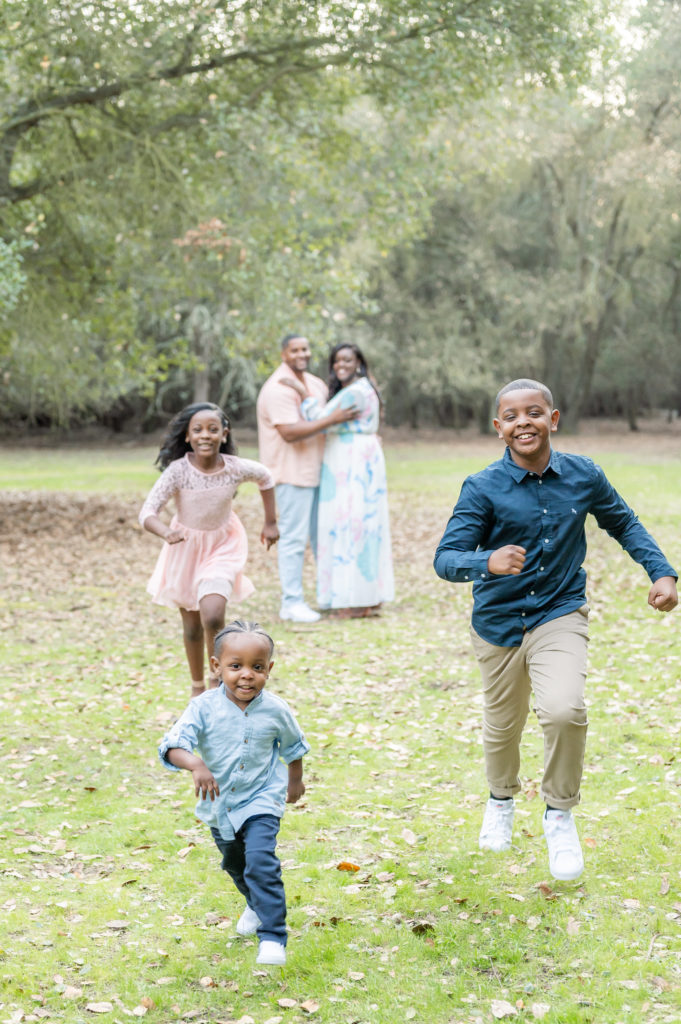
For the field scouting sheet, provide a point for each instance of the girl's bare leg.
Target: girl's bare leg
(212, 612)
(192, 633)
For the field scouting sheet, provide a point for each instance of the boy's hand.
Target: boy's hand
(507, 561)
(662, 595)
(204, 782)
(296, 788)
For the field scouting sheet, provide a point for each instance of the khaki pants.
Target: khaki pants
(550, 664)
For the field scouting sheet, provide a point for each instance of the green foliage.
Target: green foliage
(303, 129)
(560, 260)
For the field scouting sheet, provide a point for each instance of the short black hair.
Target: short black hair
(289, 337)
(525, 384)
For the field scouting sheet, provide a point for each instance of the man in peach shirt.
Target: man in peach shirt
(292, 449)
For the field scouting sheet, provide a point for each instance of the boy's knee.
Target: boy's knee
(563, 716)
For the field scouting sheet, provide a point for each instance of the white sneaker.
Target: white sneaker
(299, 613)
(497, 825)
(270, 952)
(566, 861)
(248, 923)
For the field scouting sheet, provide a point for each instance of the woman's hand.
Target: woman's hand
(300, 389)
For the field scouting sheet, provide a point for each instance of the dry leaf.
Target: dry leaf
(287, 1004)
(185, 851)
(591, 843)
(147, 1002)
(71, 992)
(408, 836)
(501, 1008)
(206, 981)
(99, 1007)
(355, 975)
(410, 1013)
(539, 1010)
(664, 885)
(139, 1011)
(632, 904)
(310, 1006)
(346, 865)
(572, 926)
(273, 1020)
(533, 922)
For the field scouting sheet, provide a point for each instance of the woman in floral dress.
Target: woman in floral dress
(354, 559)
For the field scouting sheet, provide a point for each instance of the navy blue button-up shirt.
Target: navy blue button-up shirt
(505, 504)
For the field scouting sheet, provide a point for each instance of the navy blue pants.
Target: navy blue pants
(252, 864)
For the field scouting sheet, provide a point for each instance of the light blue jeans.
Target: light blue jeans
(297, 510)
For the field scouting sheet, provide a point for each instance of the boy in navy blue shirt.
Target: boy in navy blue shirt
(517, 532)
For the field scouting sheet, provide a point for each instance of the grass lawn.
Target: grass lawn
(113, 904)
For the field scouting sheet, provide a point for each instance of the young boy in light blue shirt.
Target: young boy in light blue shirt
(233, 740)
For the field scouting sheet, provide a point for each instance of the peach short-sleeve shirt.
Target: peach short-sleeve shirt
(290, 462)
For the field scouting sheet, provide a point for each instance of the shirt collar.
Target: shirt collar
(518, 473)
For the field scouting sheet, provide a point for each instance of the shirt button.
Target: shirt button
(532, 593)
(465, 577)
(545, 511)
(541, 568)
(546, 541)
(540, 481)
(523, 614)
(483, 575)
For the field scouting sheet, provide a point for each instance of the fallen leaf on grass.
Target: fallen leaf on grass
(533, 922)
(591, 843)
(346, 865)
(310, 1006)
(99, 1007)
(409, 836)
(273, 1020)
(287, 1004)
(572, 926)
(72, 992)
(421, 927)
(539, 1010)
(500, 1009)
(664, 885)
(185, 851)
(206, 981)
(355, 975)
(632, 904)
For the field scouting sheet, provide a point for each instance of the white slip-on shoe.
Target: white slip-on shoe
(299, 613)
(497, 825)
(270, 952)
(566, 861)
(248, 923)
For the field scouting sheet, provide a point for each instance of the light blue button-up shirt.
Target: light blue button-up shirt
(545, 514)
(244, 750)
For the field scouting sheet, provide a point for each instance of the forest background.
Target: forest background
(470, 192)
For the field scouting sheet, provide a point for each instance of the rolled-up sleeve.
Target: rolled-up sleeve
(184, 734)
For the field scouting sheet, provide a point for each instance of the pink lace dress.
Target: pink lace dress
(212, 557)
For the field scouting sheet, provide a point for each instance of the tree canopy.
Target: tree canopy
(303, 130)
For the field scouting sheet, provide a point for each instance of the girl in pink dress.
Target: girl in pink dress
(202, 560)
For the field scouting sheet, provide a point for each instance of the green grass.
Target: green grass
(111, 890)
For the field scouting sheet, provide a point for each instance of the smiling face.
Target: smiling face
(525, 421)
(205, 434)
(243, 664)
(345, 365)
(296, 355)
